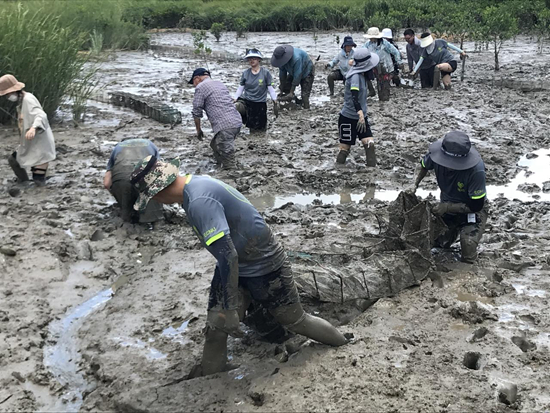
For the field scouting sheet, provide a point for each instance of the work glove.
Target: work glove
(200, 135)
(450, 208)
(226, 320)
(411, 190)
(361, 124)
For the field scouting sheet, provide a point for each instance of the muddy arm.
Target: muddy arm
(225, 253)
(107, 180)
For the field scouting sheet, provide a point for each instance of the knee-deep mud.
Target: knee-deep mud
(96, 314)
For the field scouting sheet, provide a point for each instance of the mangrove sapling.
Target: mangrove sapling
(498, 25)
(216, 29)
(241, 26)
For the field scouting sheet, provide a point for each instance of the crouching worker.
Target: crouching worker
(124, 157)
(251, 262)
(353, 123)
(460, 174)
(36, 143)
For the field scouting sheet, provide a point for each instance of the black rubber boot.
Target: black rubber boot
(370, 153)
(305, 102)
(342, 156)
(330, 81)
(19, 172)
(437, 77)
(241, 108)
(39, 178)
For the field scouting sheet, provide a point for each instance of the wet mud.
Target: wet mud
(97, 314)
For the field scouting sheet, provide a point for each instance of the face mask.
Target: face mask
(13, 97)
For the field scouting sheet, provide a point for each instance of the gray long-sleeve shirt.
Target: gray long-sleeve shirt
(413, 53)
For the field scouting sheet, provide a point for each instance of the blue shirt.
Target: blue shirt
(299, 67)
(215, 209)
(342, 60)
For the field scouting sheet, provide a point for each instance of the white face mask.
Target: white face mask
(13, 97)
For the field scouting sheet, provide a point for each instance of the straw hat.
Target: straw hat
(426, 39)
(9, 84)
(373, 33)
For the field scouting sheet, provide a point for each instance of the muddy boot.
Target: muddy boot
(330, 81)
(342, 156)
(305, 102)
(372, 91)
(19, 172)
(39, 176)
(383, 89)
(370, 153)
(241, 108)
(437, 77)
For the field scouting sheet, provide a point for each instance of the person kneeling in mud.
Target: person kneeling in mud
(353, 123)
(250, 259)
(460, 174)
(212, 97)
(295, 69)
(443, 61)
(36, 143)
(255, 83)
(122, 161)
(341, 60)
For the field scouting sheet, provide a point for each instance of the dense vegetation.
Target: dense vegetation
(38, 38)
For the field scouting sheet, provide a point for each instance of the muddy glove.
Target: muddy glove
(450, 208)
(361, 124)
(200, 135)
(226, 321)
(422, 172)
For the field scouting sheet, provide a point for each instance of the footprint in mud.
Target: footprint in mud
(524, 344)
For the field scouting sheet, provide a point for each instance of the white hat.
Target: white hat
(253, 53)
(426, 41)
(387, 33)
(373, 33)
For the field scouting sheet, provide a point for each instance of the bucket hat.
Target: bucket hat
(373, 33)
(281, 55)
(363, 61)
(253, 53)
(151, 176)
(455, 151)
(426, 39)
(348, 41)
(387, 33)
(198, 72)
(9, 84)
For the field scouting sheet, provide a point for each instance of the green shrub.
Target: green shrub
(216, 29)
(41, 53)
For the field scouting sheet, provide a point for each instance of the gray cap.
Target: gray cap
(455, 151)
(281, 55)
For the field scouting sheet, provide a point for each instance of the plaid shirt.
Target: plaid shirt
(213, 97)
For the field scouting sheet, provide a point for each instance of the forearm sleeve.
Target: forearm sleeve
(355, 97)
(272, 93)
(228, 263)
(418, 64)
(476, 205)
(453, 47)
(239, 92)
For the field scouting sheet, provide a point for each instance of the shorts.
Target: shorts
(453, 64)
(347, 129)
(273, 290)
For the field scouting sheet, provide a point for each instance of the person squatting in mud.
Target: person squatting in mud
(443, 60)
(252, 265)
(213, 97)
(341, 59)
(125, 156)
(255, 83)
(353, 123)
(414, 50)
(36, 143)
(460, 174)
(385, 71)
(295, 69)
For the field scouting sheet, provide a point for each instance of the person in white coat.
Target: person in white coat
(36, 144)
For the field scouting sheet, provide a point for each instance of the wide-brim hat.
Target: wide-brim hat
(387, 33)
(373, 33)
(363, 61)
(348, 41)
(253, 53)
(455, 151)
(281, 55)
(151, 176)
(426, 41)
(9, 84)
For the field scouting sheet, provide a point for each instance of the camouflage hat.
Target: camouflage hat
(151, 176)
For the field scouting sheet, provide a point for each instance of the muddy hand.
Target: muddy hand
(200, 135)
(228, 321)
(286, 98)
(411, 190)
(276, 109)
(361, 125)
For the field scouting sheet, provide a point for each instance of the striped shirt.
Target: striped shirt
(213, 97)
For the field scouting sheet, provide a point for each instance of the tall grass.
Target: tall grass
(40, 52)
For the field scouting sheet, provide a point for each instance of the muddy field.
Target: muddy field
(99, 315)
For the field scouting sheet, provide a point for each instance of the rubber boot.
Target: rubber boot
(372, 90)
(39, 178)
(383, 89)
(370, 153)
(342, 156)
(19, 172)
(437, 77)
(241, 108)
(330, 81)
(305, 102)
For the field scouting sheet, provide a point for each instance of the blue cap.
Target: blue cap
(199, 72)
